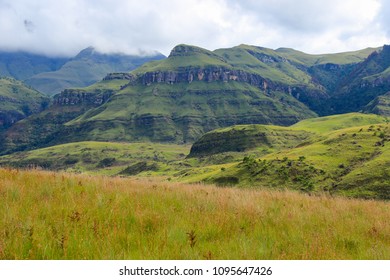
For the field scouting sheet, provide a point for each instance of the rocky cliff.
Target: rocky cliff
(71, 97)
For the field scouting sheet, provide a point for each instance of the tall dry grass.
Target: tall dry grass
(47, 215)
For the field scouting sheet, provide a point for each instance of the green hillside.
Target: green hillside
(367, 80)
(349, 156)
(47, 127)
(18, 101)
(183, 112)
(344, 155)
(318, 59)
(336, 122)
(265, 62)
(242, 138)
(184, 56)
(380, 105)
(103, 158)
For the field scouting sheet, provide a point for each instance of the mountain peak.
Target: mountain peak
(187, 50)
(87, 52)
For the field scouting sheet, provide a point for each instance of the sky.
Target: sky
(63, 28)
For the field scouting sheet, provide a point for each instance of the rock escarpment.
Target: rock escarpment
(81, 97)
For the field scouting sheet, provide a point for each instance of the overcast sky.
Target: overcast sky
(65, 27)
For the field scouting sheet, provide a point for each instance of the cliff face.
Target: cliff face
(71, 97)
(210, 74)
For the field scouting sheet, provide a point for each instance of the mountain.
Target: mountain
(361, 85)
(51, 75)
(178, 99)
(191, 92)
(86, 68)
(23, 65)
(18, 101)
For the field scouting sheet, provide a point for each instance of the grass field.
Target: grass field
(48, 215)
(107, 158)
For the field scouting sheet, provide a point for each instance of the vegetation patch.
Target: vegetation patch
(138, 168)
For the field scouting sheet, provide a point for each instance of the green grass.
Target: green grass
(240, 138)
(335, 122)
(101, 157)
(335, 155)
(47, 215)
(264, 62)
(336, 58)
(182, 112)
(16, 96)
(380, 105)
(350, 162)
(192, 57)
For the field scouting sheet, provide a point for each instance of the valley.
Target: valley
(237, 153)
(339, 155)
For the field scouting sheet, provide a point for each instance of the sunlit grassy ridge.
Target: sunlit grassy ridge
(103, 157)
(46, 215)
(336, 122)
(18, 100)
(345, 154)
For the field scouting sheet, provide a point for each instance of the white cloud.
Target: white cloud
(54, 27)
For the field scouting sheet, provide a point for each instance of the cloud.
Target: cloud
(64, 28)
(383, 17)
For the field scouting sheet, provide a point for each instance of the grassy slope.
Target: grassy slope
(17, 94)
(184, 112)
(102, 157)
(61, 216)
(380, 105)
(265, 62)
(336, 58)
(335, 122)
(195, 57)
(72, 74)
(328, 158)
(241, 138)
(337, 160)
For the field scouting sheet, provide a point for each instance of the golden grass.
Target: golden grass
(47, 215)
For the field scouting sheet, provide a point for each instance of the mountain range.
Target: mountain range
(51, 75)
(243, 116)
(194, 90)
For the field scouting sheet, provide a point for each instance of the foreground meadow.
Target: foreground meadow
(48, 215)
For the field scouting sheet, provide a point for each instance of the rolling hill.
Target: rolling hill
(345, 154)
(18, 101)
